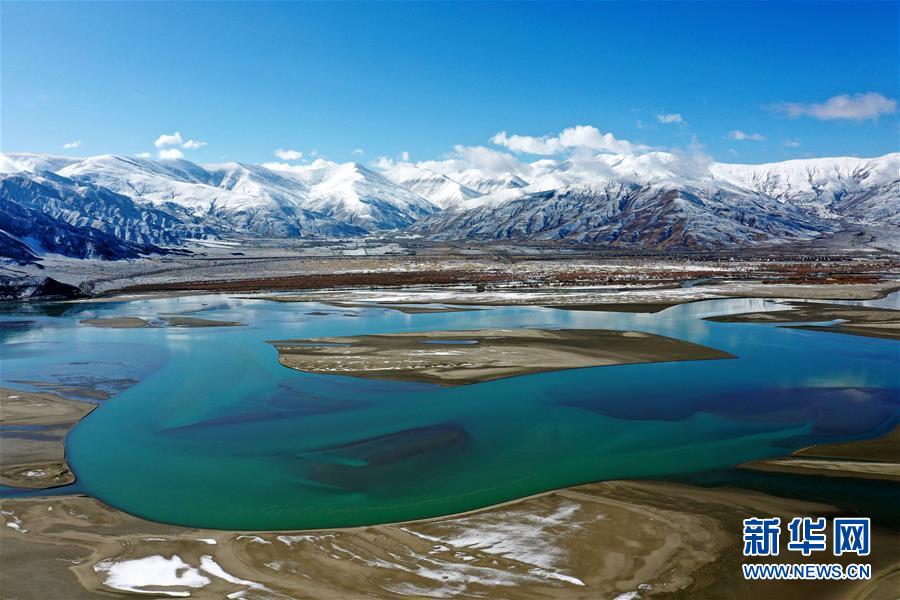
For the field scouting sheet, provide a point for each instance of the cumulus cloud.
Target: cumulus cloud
(164, 140)
(319, 163)
(288, 154)
(383, 162)
(144, 155)
(70, 145)
(358, 151)
(855, 107)
(692, 161)
(171, 154)
(580, 136)
(670, 118)
(404, 156)
(175, 139)
(482, 158)
(741, 136)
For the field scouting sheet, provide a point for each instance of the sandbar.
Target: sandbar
(855, 320)
(473, 356)
(162, 321)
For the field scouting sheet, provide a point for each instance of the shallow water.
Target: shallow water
(219, 434)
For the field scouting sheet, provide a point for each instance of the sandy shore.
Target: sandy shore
(855, 320)
(463, 357)
(33, 427)
(600, 540)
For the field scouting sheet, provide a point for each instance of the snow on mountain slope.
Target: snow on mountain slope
(434, 187)
(47, 214)
(14, 162)
(865, 189)
(176, 181)
(245, 197)
(84, 205)
(351, 193)
(487, 183)
(630, 214)
(651, 199)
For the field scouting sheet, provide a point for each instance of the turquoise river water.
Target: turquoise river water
(216, 433)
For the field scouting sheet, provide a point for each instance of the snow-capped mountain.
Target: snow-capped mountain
(664, 200)
(46, 215)
(243, 197)
(116, 206)
(862, 189)
(354, 194)
(29, 161)
(632, 215)
(486, 183)
(85, 205)
(436, 188)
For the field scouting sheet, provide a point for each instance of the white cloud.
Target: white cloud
(792, 143)
(856, 107)
(70, 145)
(193, 144)
(171, 154)
(144, 155)
(169, 140)
(580, 136)
(740, 136)
(358, 151)
(478, 157)
(383, 162)
(319, 163)
(404, 156)
(288, 154)
(670, 118)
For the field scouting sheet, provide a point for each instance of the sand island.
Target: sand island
(463, 357)
(854, 320)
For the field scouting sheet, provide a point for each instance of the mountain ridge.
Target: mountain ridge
(652, 200)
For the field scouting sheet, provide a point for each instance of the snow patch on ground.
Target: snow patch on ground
(152, 572)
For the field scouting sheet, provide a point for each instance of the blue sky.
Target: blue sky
(796, 80)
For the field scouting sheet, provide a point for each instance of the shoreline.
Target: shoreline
(576, 526)
(30, 463)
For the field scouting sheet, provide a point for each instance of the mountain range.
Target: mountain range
(113, 207)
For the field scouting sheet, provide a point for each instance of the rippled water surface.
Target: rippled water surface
(217, 433)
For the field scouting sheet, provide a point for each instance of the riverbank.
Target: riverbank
(646, 539)
(33, 427)
(877, 458)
